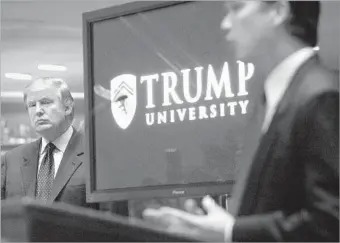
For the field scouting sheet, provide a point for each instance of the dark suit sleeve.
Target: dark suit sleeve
(3, 176)
(316, 144)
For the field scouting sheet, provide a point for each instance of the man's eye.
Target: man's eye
(31, 105)
(46, 102)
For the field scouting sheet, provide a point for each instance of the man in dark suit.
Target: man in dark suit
(289, 191)
(51, 168)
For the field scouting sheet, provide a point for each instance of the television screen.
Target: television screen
(166, 101)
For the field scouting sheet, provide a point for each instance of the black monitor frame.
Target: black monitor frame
(92, 194)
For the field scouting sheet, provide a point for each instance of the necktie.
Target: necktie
(46, 174)
(251, 143)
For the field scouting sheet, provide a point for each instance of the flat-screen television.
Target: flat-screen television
(166, 101)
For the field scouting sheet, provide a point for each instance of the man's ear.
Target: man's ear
(68, 110)
(68, 106)
(281, 12)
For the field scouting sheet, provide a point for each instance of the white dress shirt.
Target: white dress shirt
(275, 86)
(279, 79)
(61, 144)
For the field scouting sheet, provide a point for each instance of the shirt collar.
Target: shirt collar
(281, 76)
(61, 142)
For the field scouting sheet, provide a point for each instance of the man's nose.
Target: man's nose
(226, 23)
(39, 109)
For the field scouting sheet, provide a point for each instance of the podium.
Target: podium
(27, 220)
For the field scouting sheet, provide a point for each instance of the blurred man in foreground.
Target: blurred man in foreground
(51, 168)
(289, 190)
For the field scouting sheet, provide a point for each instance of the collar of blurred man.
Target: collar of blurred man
(279, 79)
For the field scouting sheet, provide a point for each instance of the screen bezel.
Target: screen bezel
(143, 192)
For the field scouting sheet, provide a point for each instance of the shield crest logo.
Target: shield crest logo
(124, 99)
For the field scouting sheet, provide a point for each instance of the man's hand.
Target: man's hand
(210, 226)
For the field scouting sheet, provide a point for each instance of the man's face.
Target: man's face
(248, 25)
(46, 111)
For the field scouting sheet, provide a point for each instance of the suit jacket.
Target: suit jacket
(19, 173)
(291, 191)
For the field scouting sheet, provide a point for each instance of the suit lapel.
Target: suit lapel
(251, 142)
(69, 163)
(29, 168)
(266, 141)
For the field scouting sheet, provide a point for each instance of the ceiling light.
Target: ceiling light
(50, 67)
(19, 76)
(11, 94)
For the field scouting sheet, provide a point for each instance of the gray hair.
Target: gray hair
(63, 90)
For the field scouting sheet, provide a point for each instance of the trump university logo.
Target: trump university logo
(123, 99)
(204, 95)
